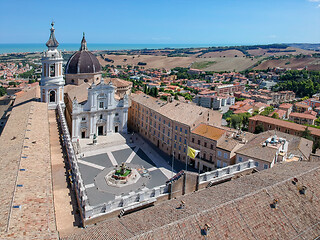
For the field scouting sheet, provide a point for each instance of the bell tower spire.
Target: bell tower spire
(52, 82)
(83, 43)
(52, 42)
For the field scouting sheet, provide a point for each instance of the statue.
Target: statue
(123, 168)
(94, 139)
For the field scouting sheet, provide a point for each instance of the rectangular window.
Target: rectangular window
(101, 105)
(210, 158)
(256, 164)
(186, 131)
(265, 166)
(211, 146)
(179, 147)
(169, 124)
(179, 139)
(175, 145)
(159, 119)
(168, 134)
(219, 154)
(218, 164)
(239, 159)
(52, 70)
(44, 69)
(192, 140)
(175, 137)
(185, 141)
(83, 119)
(198, 142)
(164, 121)
(163, 130)
(205, 144)
(155, 116)
(225, 164)
(168, 141)
(225, 155)
(180, 129)
(176, 128)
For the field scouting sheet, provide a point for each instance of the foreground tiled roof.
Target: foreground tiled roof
(239, 209)
(25, 145)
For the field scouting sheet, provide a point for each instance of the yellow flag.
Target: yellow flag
(192, 153)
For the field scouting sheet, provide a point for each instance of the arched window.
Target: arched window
(86, 80)
(72, 81)
(52, 97)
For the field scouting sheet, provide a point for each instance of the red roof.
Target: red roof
(302, 115)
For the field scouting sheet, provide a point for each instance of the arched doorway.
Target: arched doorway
(52, 96)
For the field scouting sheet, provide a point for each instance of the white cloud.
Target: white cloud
(314, 0)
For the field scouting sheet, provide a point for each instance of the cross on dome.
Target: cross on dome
(83, 43)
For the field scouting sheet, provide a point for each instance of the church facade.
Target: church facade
(101, 114)
(52, 82)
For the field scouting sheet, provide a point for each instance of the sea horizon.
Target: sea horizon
(7, 48)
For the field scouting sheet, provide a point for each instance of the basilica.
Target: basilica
(93, 106)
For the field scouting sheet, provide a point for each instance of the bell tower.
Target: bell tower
(52, 81)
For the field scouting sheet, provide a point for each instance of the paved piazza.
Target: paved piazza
(96, 161)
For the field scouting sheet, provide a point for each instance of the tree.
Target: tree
(176, 97)
(306, 134)
(255, 112)
(259, 129)
(2, 91)
(267, 111)
(228, 120)
(275, 115)
(236, 121)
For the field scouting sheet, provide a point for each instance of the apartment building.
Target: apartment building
(229, 88)
(302, 118)
(271, 147)
(217, 146)
(168, 124)
(268, 123)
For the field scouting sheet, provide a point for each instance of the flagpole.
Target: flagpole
(187, 158)
(172, 164)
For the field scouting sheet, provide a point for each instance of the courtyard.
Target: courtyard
(96, 161)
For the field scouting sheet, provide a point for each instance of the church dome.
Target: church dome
(83, 61)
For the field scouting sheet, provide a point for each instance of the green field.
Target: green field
(202, 65)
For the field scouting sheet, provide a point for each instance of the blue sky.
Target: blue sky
(162, 21)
